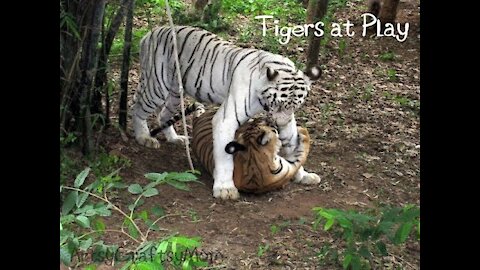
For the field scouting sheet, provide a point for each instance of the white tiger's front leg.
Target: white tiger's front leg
(223, 132)
(288, 133)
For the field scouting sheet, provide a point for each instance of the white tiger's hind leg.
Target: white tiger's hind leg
(140, 128)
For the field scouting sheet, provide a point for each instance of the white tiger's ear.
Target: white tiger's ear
(233, 147)
(314, 73)
(271, 74)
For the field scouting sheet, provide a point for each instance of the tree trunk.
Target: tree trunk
(200, 4)
(122, 117)
(101, 76)
(315, 12)
(88, 68)
(212, 10)
(388, 12)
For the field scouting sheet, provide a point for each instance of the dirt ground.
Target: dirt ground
(365, 129)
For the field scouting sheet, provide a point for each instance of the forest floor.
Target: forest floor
(363, 116)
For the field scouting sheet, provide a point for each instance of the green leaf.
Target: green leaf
(103, 211)
(197, 172)
(81, 177)
(67, 219)
(344, 222)
(183, 177)
(150, 185)
(90, 212)
(69, 202)
(157, 211)
(139, 203)
(135, 189)
(81, 199)
(403, 232)
(90, 267)
(327, 215)
(382, 248)
(151, 226)
(162, 248)
(178, 185)
(65, 255)
(143, 215)
(131, 229)
(119, 185)
(148, 266)
(364, 252)
(347, 260)
(99, 225)
(328, 224)
(150, 192)
(356, 265)
(186, 265)
(174, 245)
(188, 242)
(86, 244)
(156, 176)
(83, 221)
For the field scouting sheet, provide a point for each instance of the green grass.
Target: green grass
(392, 75)
(387, 56)
(405, 102)
(368, 92)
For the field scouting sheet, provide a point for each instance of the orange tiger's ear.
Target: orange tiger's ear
(233, 147)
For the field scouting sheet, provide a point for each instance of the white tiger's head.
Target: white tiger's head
(285, 88)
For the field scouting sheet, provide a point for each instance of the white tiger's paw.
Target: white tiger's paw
(226, 193)
(309, 179)
(178, 140)
(148, 141)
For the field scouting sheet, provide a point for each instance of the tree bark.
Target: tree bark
(211, 11)
(315, 12)
(122, 117)
(88, 68)
(200, 4)
(388, 12)
(101, 76)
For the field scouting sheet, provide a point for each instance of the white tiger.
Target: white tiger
(244, 81)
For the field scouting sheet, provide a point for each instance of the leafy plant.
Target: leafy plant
(365, 234)
(392, 74)
(387, 56)
(81, 221)
(403, 101)
(179, 250)
(262, 249)
(367, 94)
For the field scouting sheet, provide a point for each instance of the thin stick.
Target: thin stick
(157, 220)
(180, 85)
